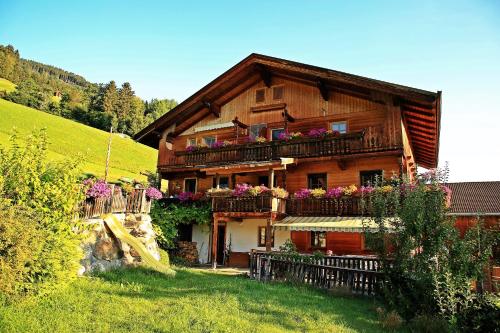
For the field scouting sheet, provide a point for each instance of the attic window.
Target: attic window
(260, 95)
(278, 93)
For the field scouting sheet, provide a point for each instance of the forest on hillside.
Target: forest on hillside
(69, 95)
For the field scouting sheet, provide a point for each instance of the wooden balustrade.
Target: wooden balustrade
(351, 206)
(360, 275)
(135, 202)
(259, 203)
(345, 144)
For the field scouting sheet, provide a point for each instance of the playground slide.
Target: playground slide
(147, 259)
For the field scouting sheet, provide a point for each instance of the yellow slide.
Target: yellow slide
(147, 259)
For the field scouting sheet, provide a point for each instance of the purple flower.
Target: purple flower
(284, 136)
(217, 144)
(335, 192)
(366, 190)
(99, 189)
(153, 193)
(316, 132)
(241, 189)
(185, 196)
(302, 193)
(191, 148)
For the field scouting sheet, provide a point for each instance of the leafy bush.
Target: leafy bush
(166, 218)
(38, 201)
(428, 324)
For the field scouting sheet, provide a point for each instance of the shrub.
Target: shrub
(38, 200)
(428, 324)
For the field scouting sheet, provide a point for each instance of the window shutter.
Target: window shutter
(278, 93)
(260, 95)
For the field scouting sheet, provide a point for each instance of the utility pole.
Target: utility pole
(109, 154)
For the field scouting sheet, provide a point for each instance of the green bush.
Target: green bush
(38, 248)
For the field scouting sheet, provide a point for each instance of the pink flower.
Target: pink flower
(185, 196)
(366, 190)
(99, 189)
(217, 144)
(191, 148)
(335, 192)
(302, 193)
(153, 193)
(241, 189)
(284, 136)
(316, 132)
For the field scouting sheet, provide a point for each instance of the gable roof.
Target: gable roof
(421, 109)
(473, 198)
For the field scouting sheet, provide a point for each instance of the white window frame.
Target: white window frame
(340, 122)
(195, 184)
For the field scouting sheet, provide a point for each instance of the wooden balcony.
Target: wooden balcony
(343, 145)
(135, 202)
(260, 203)
(351, 206)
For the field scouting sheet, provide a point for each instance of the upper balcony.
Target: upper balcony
(328, 146)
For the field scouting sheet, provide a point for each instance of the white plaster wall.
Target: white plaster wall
(201, 235)
(244, 235)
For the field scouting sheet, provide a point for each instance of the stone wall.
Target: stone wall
(103, 251)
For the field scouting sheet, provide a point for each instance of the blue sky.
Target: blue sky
(171, 49)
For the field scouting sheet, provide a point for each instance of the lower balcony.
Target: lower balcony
(350, 206)
(248, 204)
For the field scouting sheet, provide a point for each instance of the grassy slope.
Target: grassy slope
(6, 85)
(69, 138)
(142, 301)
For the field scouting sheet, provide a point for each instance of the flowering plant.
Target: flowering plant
(302, 193)
(153, 193)
(279, 192)
(350, 190)
(260, 139)
(365, 190)
(318, 193)
(192, 148)
(218, 144)
(245, 189)
(97, 189)
(317, 132)
(290, 136)
(334, 193)
(189, 196)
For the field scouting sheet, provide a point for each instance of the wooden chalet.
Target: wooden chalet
(380, 129)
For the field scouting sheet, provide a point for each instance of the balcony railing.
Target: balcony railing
(345, 144)
(134, 202)
(351, 206)
(260, 203)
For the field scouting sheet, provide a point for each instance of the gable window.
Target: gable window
(190, 185)
(275, 133)
(318, 239)
(191, 142)
(316, 180)
(260, 95)
(278, 93)
(262, 237)
(209, 140)
(257, 130)
(370, 177)
(223, 182)
(340, 126)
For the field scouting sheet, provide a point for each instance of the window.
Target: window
(190, 185)
(262, 237)
(340, 126)
(316, 180)
(223, 182)
(209, 140)
(191, 142)
(318, 239)
(275, 133)
(260, 95)
(370, 177)
(257, 130)
(278, 93)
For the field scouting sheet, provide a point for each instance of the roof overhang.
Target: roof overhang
(421, 109)
(330, 223)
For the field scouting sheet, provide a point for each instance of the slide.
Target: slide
(122, 234)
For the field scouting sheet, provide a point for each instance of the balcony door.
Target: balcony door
(257, 130)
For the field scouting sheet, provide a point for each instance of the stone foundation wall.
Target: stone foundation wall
(103, 251)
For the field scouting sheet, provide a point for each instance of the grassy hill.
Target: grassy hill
(68, 138)
(6, 85)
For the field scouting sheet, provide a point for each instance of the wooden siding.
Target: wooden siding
(337, 242)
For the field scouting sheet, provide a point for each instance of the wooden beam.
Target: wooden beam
(238, 123)
(323, 90)
(413, 114)
(212, 107)
(215, 235)
(265, 74)
(268, 234)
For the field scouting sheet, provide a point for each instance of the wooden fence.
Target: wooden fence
(135, 202)
(361, 275)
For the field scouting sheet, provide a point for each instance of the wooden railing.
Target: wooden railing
(259, 203)
(325, 207)
(345, 144)
(135, 202)
(361, 275)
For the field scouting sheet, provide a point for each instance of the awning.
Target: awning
(328, 223)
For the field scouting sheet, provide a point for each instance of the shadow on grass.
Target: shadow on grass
(274, 303)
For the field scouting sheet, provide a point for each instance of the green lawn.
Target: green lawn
(69, 138)
(194, 301)
(6, 85)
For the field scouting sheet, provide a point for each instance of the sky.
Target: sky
(171, 49)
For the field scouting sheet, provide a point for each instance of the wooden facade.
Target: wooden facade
(389, 129)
